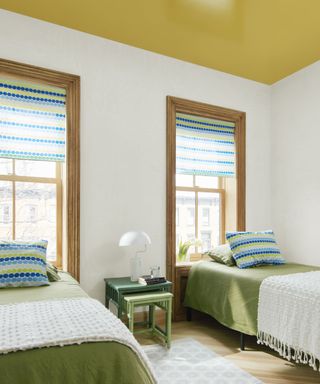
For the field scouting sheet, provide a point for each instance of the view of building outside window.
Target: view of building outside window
(205, 217)
(198, 213)
(6, 229)
(190, 218)
(209, 219)
(206, 240)
(185, 227)
(34, 216)
(177, 216)
(5, 213)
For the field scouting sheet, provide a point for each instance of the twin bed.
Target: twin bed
(88, 362)
(230, 294)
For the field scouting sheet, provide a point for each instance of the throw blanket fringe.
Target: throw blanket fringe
(289, 316)
(288, 352)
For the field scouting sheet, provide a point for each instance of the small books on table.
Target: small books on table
(149, 280)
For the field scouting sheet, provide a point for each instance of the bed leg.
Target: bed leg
(242, 341)
(189, 314)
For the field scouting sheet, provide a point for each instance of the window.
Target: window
(52, 213)
(178, 238)
(36, 182)
(205, 157)
(32, 153)
(197, 205)
(206, 241)
(205, 177)
(5, 213)
(32, 156)
(31, 213)
(190, 216)
(205, 217)
(34, 191)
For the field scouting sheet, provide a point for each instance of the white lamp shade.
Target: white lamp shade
(136, 238)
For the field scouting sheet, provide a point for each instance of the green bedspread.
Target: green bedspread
(88, 363)
(231, 294)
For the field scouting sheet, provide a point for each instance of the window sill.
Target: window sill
(187, 263)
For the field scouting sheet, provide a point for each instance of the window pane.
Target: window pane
(205, 240)
(184, 180)
(5, 210)
(209, 219)
(205, 216)
(177, 217)
(185, 230)
(190, 216)
(36, 214)
(35, 168)
(207, 181)
(6, 166)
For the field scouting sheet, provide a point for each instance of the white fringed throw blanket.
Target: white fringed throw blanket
(289, 316)
(50, 323)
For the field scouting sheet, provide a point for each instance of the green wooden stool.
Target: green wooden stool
(162, 300)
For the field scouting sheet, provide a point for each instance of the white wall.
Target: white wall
(295, 165)
(123, 133)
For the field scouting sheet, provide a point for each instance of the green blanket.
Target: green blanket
(231, 294)
(89, 363)
(66, 287)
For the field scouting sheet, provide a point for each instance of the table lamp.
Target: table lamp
(137, 239)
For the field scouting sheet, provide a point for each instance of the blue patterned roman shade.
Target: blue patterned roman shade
(204, 146)
(32, 120)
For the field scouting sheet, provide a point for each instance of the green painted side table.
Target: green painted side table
(117, 287)
(159, 299)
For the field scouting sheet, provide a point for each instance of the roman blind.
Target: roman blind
(32, 120)
(204, 146)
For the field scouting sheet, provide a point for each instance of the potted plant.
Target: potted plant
(184, 246)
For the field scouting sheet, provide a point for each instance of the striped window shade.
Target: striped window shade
(204, 146)
(32, 120)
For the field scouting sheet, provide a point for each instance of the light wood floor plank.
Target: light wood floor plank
(260, 361)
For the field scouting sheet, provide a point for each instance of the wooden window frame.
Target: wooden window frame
(71, 83)
(175, 105)
(57, 180)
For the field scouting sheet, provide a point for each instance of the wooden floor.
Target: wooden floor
(261, 362)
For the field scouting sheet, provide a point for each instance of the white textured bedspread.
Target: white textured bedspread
(289, 316)
(62, 322)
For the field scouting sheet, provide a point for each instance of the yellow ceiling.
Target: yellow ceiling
(262, 40)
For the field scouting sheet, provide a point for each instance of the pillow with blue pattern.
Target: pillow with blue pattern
(23, 263)
(251, 249)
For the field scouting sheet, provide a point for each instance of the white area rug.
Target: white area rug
(188, 361)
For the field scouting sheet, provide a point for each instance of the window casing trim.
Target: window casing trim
(72, 85)
(175, 105)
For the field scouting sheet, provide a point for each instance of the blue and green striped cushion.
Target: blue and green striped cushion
(251, 249)
(23, 264)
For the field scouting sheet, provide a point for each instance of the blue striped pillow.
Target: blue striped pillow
(251, 249)
(23, 263)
